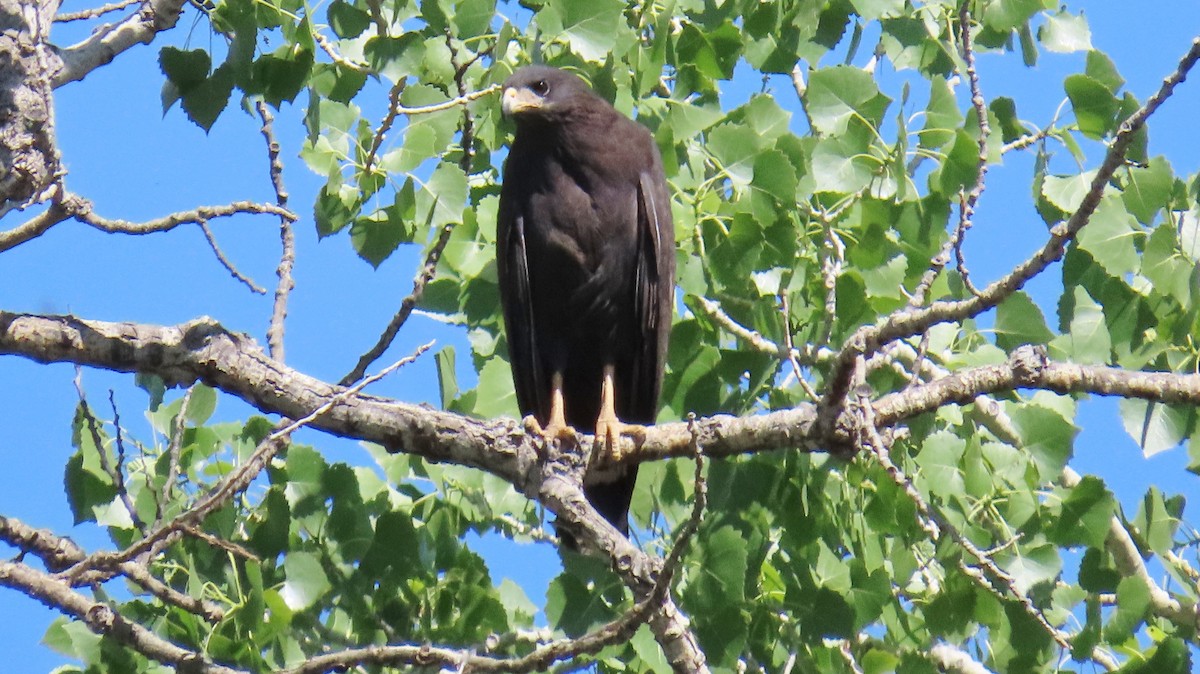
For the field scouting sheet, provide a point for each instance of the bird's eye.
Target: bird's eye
(540, 87)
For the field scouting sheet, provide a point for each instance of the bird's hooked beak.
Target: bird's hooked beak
(516, 100)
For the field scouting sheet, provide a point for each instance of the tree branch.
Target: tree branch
(908, 322)
(287, 239)
(110, 40)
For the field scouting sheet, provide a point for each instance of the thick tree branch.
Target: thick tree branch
(102, 619)
(202, 350)
(110, 40)
(59, 553)
(28, 147)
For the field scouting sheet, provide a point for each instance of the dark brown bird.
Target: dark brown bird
(586, 260)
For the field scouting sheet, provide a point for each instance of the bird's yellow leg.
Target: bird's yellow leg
(609, 428)
(556, 425)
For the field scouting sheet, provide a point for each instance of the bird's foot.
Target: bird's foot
(609, 430)
(555, 430)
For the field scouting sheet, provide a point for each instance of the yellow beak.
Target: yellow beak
(517, 100)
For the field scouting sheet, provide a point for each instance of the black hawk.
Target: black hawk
(586, 262)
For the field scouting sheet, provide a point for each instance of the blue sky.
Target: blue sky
(136, 164)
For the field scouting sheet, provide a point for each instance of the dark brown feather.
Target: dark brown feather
(586, 262)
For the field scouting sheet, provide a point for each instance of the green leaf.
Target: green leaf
(591, 28)
(1154, 426)
(1048, 435)
(306, 581)
(1101, 68)
(1133, 601)
(774, 174)
(347, 20)
(718, 570)
(395, 545)
(736, 147)
(942, 117)
(495, 396)
(1020, 321)
(1170, 656)
(73, 639)
(269, 536)
(185, 70)
(447, 377)
(1148, 189)
(1084, 515)
(1094, 105)
(521, 611)
(201, 404)
(1095, 575)
(282, 74)
(1088, 340)
(1064, 32)
(1005, 111)
(1003, 16)
(872, 10)
(713, 53)
(1157, 520)
(375, 237)
(1170, 272)
(1067, 192)
(837, 95)
(939, 460)
(204, 102)
(472, 17)
(442, 198)
(961, 166)
(840, 163)
(1110, 235)
(395, 57)
(579, 597)
(1030, 566)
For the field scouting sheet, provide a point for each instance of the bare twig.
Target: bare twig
(833, 254)
(395, 109)
(790, 349)
(327, 46)
(424, 276)
(169, 222)
(94, 12)
(220, 543)
(114, 472)
(467, 138)
(287, 239)
(225, 262)
(38, 225)
(967, 204)
(174, 446)
(1025, 141)
(385, 125)
(119, 469)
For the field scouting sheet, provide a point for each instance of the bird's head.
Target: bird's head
(541, 92)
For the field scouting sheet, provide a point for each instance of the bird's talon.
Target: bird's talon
(532, 427)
